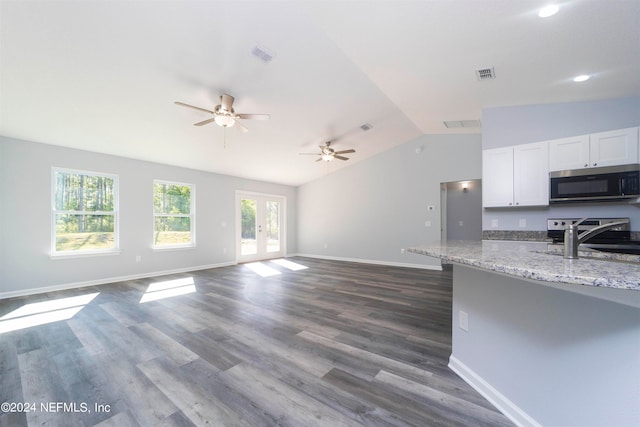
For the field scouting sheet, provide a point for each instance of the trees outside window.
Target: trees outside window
(84, 212)
(174, 214)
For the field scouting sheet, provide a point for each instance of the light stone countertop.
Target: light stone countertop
(540, 261)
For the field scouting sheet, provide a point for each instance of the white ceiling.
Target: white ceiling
(103, 75)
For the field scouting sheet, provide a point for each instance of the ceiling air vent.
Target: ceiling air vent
(462, 123)
(262, 54)
(485, 74)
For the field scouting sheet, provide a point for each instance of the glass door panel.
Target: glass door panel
(272, 226)
(248, 234)
(261, 232)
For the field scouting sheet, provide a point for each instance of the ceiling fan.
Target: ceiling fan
(327, 153)
(224, 114)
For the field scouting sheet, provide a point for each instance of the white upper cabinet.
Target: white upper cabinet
(516, 176)
(531, 174)
(497, 177)
(569, 153)
(618, 147)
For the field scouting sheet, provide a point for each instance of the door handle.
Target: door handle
(259, 229)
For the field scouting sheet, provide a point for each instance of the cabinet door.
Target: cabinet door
(618, 147)
(531, 174)
(497, 177)
(569, 153)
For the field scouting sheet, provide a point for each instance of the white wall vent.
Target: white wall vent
(485, 74)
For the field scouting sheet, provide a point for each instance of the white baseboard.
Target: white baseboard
(367, 261)
(74, 285)
(497, 399)
(104, 281)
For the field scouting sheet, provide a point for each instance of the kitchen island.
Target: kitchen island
(548, 341)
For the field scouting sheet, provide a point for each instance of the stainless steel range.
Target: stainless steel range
(616, 240)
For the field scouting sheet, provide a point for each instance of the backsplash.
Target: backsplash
(534, 236)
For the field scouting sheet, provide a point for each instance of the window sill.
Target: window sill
(72, 255)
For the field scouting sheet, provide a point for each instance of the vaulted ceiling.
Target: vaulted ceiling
(103, 75)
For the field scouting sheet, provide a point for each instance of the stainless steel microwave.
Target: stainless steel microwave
(606, 183)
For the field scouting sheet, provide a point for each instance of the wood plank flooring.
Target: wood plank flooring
(333, 344)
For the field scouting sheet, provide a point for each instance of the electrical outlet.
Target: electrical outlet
(427, 223)
(464, 320)
(495, 223)
(402, 250)
(431, 208)
(460, 223)
(138, 258)
(522, 223)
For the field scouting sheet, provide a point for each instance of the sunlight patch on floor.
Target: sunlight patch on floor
(293, 266)
(40, 313)
(262, 270)
(168, 289)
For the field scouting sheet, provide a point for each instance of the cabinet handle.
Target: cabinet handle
(517, 203)
(595, 164)
(586, 165)
(510, 203)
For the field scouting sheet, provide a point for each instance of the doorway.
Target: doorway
(461, 211)
(260, 230)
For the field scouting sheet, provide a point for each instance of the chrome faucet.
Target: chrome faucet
(572, 239)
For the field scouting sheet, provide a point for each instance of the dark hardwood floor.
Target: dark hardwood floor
(333, 344)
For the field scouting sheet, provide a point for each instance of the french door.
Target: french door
(260, 228)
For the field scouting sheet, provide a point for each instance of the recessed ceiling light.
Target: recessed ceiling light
(548, 11)
(581, 78)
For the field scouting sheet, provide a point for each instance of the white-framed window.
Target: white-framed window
(84, 218)
(174, 214)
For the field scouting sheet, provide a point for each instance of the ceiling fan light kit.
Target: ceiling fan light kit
(224, 115)
(224, 121)
(327, 153)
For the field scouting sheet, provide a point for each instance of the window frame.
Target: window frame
(191, 215)
(115, 250)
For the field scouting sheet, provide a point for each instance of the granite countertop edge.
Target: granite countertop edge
(538, 261)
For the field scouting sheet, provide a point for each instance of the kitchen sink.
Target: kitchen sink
(622, 248)
(586, 252)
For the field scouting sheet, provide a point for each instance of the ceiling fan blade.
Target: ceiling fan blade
(310, 154)
(182, 104)
(253, 116)
(345, 151)
(319, 158)
(341, 157)
(226, 101)
(205, 122)
(240, 128)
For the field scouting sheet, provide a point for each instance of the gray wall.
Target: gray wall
(464, 210)
(373, 209)
(505, 126)
(25, 221)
